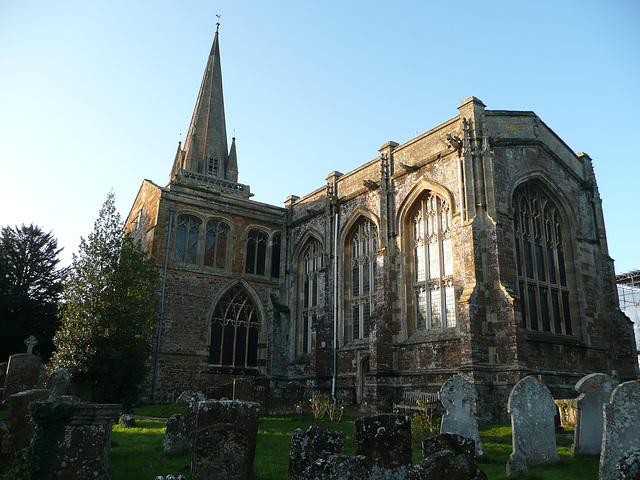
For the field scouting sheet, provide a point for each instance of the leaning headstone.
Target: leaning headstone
(621, 434)
(446, 465)
(338, 467)
(458, 397)
(177, 437)
(127, 420)
(225, 439)
(23, 373)
(449, 441)
(532, 412)
(595, 390)
(385, 441)
(189, 396)
(313, 444)
(628, 467)
(72, 440)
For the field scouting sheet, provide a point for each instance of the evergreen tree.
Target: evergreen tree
(30, 286)
(108, 310)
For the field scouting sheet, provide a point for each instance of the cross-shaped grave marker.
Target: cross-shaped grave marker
(30, 343)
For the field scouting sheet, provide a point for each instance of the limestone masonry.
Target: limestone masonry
(477, 248)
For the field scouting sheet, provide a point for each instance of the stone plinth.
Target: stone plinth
(385, 441)
(224, 445)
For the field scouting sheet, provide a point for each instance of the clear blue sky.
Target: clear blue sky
(95, 96)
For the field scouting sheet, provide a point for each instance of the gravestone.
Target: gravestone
(72, 440)
(177, 436)
(449, 441)
(224, 445)
(532, 412)
(58, 383)
(19, 426)
(307, 446)
(458, 397)
(621, 434)
(3, 376)
(31, 342)
(23, 373)
(446, 465)
(243, 389)
(339, 467)
(628, 467)
(595, 390)
(385, 441)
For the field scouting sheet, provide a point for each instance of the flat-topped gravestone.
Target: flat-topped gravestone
(339, 467)
(621, 434)
(458, 397)
(532, 412)
(595, 390)
(224, 445)
(23, 373)
(385, 441)
(307, 446)
(58, 383)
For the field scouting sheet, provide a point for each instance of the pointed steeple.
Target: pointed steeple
(232, 164)
(205, 149)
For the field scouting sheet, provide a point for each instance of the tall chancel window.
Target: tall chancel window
(361, 278)
(310, 287)
(540, 258)
(215, 248)
(234, 330)
(433, 264)
(187, 232)
(256, 252)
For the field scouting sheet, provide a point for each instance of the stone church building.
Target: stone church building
(477, 247)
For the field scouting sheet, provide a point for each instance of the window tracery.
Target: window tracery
(361, 275)
(540, 260)
(216, 243)
(310, 293)
(187, 232)
(433, 264)
(234, 330)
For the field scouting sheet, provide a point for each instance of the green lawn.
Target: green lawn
(139, 452)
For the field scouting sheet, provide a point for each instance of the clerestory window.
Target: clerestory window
(234, 330)
(540, 259)
(309, 293)
(187, 232)
(433, 264)
(360, 263)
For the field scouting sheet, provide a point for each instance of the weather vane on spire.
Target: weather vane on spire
(218, 23)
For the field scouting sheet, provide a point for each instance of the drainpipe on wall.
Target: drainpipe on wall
(335, 310)
(164, 284)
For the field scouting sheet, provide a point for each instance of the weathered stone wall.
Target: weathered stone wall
(474, 161)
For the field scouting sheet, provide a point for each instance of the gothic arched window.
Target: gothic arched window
(309, 293)
(433, 264)
(540, 259)
(256, 252)
(360, 275)
(216, 243)
(234, 330)
(187, 233)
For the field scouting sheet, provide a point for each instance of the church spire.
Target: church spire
(205, 149)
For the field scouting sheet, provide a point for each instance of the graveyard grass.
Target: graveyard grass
(140, 454)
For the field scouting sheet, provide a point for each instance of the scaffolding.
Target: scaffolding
(629, 298)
